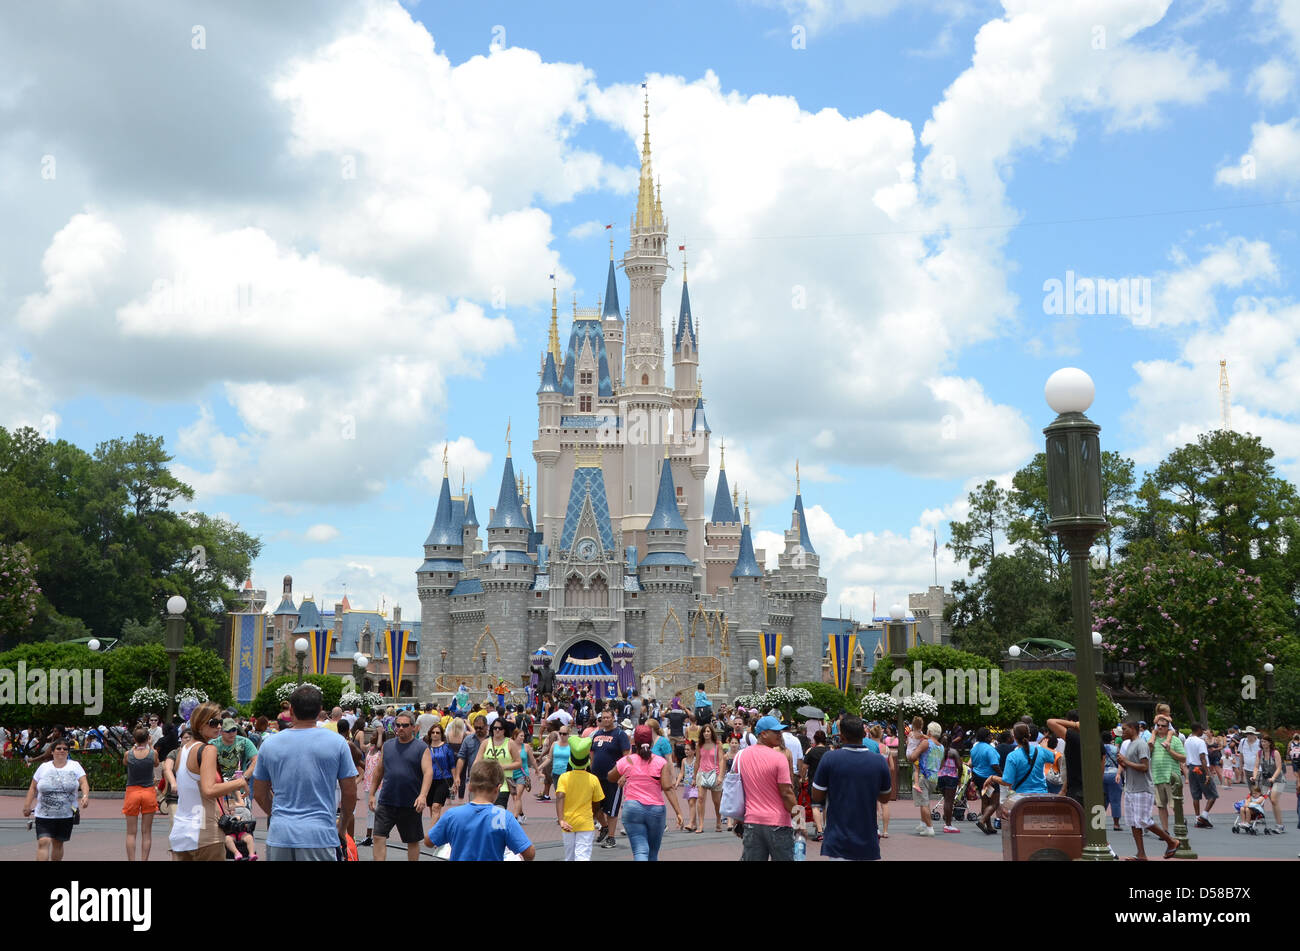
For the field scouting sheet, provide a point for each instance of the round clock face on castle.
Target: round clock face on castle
(587, 549)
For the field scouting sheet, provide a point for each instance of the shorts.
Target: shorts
(946, 782)
(1164, 795)
(284, 853)
(613, 800)
(921, 796)
(405, 818)
(204, 853)
(140, 801)
(60, 830)
(438, 792)
(503, 798)
(1137, 809)
(1201, 785)
(690, 792)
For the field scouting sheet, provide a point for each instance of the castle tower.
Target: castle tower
(283, 622)
(722, 534)
(748, 608)
(506, 574)
(645, 402)
(686, 351)
(586, 569)
(666, 573)
(444, 563)
(799, 582)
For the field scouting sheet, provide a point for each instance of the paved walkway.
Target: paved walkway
(101, 837)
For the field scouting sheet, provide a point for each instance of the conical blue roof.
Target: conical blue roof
(723, 511)
(746, 564)
(471, 520)
(588, 481)
(666, 515)
(309, 618)
(700, 424)
(610, 310)
(286, 606)
(587, 330)
(508, 513)
(804, 540)
(685, 325)
(550, 379)
(445, 531)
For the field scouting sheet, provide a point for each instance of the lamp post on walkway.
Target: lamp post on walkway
(896, 633)
(173, 643)
(1075, 515)
(300, 647)
(753, 676)
(787, 662)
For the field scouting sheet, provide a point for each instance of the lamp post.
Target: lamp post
(753, 676)
(787, 662)
(359, 664)
(1014, 653)
(1098, 666)
(896, 633)
(300, 647)
(443, 668)
(1268, 687)
(173, 642)
(769, 672)
(1075, 515)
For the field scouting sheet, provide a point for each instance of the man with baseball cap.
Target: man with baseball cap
(765, 770)
(235, 753)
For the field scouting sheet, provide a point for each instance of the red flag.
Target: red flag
(681, 247)
(607, 227)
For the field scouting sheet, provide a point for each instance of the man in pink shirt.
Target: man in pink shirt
(769, 796)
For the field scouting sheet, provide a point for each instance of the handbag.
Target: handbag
(733, 793)
(708, 779)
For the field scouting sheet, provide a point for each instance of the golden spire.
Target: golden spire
(462, 481)
(519, 485)
(722, 457)
(553, 344)
(645, 201)
(507, 437)
(746, 508)
(735, 497)
(796, 477)
(683, 264)
(444, 460)
(611, 247)
(528, 491)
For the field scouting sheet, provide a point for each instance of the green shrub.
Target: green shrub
(104, 771)
(1042, 694)
(829, 699)
(943, 657)
(266, 705)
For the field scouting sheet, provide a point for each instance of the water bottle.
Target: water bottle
(800, 845)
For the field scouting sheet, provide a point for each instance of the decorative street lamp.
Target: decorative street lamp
(1075, 515)
(443, 668)
(93, 643)
(787, 660)
(1098, 666)
(300, 647)
(1268, 686)
(173, 643)
(769, 672)
(896, 634)
(1014, 653)
(359, 664)
(483, 661)
(753, 676)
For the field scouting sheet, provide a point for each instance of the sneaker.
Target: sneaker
(523, 820)
(928, 831)
(951, 829)
(602, 835)
(609, 843)
(1203, 823)
(543, 798)
(920, 827)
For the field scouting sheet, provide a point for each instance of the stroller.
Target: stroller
(1250, 817)
(959, 813)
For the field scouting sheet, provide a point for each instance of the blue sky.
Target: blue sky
(394, 184)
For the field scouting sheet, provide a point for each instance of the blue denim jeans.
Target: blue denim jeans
(1113, 792)
(644, 827)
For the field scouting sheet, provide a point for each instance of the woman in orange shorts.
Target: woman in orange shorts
(141, 800)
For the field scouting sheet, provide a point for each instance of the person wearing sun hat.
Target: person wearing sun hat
(578, 795)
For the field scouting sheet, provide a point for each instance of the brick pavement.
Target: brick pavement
(101, 837)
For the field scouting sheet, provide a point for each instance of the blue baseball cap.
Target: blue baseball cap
(768, 723)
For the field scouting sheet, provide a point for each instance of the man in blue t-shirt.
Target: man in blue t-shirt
(851, 781)
(294, 783)
(608, 745)
(481, 831)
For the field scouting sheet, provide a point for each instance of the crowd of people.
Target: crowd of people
(614, 768)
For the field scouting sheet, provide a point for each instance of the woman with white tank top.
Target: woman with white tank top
(195, 835)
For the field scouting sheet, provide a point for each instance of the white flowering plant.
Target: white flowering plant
(921, 705)
(1123, 714)
(192, 694)
(876, 705)
(284, 691)
(149, 699)
(368, 700)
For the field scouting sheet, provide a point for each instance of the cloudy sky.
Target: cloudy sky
(309, 244)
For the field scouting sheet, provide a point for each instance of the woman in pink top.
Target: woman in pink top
(707, 776)
(645, 776)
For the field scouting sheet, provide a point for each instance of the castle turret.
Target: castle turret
(686, 351)
(666, 573)
(507, 575)
(612, 322)
(798, 581)
(283, 622)
(444, 563)
(722, 533)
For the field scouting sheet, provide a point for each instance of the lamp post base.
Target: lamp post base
(1097, 853)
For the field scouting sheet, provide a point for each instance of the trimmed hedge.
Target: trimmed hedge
(266, 705)
(104, 771)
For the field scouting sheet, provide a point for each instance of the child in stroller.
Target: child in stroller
(1250, 813)
(238, 824)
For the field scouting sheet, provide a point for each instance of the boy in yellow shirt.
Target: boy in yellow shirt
(577, 802)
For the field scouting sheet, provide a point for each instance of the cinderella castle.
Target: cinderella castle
(610, 566)
(614, 569)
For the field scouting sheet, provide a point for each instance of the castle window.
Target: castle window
(679, 491)
(584, 404)
(645, 379)
(584, 378)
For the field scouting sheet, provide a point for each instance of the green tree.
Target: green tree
(943, 658)
(1043, 694)
(265, 703)
(127, 668)
(976, 538)
(828, 698)
(1016, 597)
(1192, 623)
(19, 592)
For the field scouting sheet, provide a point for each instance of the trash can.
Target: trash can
(1043, 828)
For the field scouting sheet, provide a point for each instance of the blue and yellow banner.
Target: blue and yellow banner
(842, 648)
(395, 646)
(771, 648)
(247, 650)
(321, 642)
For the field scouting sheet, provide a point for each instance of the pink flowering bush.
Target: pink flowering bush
(19, 593)
(1188, 625)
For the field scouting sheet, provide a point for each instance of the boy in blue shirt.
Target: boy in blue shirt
(481, 831)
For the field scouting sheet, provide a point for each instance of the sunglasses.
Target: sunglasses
(215, 721)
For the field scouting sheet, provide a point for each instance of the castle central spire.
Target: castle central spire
(649, 210)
